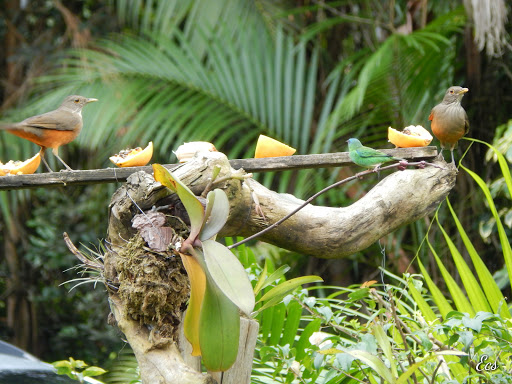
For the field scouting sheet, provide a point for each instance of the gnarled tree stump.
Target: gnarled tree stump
(148, 290)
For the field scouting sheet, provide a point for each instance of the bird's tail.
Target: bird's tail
(6, 126)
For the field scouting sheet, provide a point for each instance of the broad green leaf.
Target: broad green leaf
(191, 203)
(303, 341)
(473, 290)
(219, 329)
(382, 339)
(439, 298)
(491, 289)
(229, 275)
(375, 363)
(197, 280)
(217, 211)
(276, 294)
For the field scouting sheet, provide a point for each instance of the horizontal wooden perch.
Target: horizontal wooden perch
(112, 175)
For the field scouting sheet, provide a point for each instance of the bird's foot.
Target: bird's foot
(402, 165)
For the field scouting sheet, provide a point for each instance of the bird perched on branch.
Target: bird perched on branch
(52, 129)
(366, 156)
(449, 120)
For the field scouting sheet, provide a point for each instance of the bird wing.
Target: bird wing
(367, 152)
(58, 120)
(466, 123)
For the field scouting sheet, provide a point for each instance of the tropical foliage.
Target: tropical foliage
(310, 74)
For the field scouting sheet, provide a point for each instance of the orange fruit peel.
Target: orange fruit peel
(269, 147)
(137, 157)
(26, 167)
(187, 151)
(411, 136)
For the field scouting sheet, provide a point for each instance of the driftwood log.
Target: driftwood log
(148, 289)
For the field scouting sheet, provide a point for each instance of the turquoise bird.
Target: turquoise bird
(367, 157)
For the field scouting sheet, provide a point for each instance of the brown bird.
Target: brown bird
(52, 129)
(449, 120)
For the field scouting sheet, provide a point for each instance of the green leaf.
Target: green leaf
(413, 368)
(193, 206)
(382, 339)
(473, 290)
(460, 300)
(229, 275)
(438, 296)
(216, 215)
(491, 289)
(93, 371)
(274, 276)
(219, 329)
(375, 363)
(303, 341)
(505, 244)
(277, 293)
(261, 280)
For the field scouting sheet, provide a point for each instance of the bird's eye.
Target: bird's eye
(77, 101)
(451, 91)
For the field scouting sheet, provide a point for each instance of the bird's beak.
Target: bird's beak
(463, 90)
(90, 100)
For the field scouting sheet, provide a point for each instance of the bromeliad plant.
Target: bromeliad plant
(219, 285)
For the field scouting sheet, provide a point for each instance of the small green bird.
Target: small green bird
(367, 157)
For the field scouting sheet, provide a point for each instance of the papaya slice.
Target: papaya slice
(411, 136)
(187, 151)
(133, 157)
(269, 147)
(26, 167)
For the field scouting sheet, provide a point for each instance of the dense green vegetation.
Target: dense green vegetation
(310, 73)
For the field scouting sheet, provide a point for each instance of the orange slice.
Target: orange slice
(26, 167)
(269, 147)
(411, 136)
(133, 157)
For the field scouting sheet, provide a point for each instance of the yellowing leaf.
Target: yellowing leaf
(193, 206)
(197, 289)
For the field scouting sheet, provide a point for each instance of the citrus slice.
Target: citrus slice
(133, 157)
(411, 136)
(187, 151)
(269, 147)
(26, 167)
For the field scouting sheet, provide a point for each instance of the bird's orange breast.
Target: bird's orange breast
(448, 124)
(49, 138)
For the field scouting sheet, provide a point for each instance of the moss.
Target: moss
(153, 286)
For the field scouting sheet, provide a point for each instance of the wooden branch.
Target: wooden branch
(400, 198)
(112, 175)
